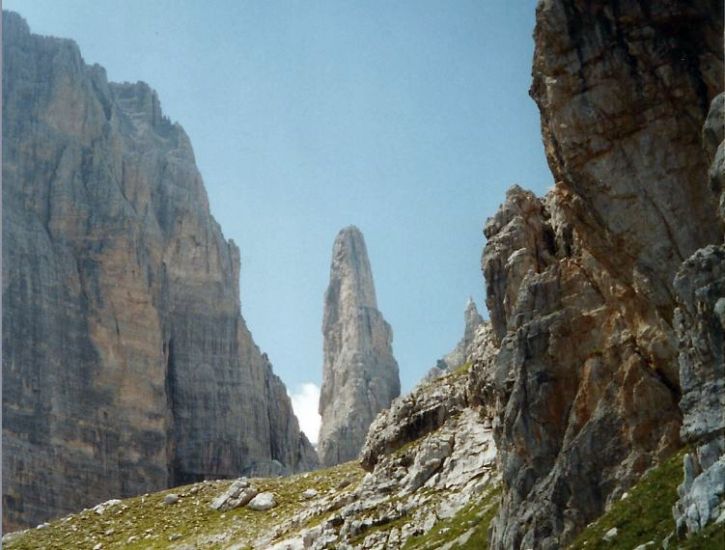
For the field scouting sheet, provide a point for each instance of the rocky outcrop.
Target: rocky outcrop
(700, 324)
(360, 374)
(579, 284)
(127, 366)
(459, 355)
(580, 410)
(431, 482)
(429, 456)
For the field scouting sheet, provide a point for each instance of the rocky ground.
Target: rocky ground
(429, 484)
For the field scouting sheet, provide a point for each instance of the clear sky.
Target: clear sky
(407, 118)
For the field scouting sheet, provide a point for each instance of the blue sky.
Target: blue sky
(408, 119)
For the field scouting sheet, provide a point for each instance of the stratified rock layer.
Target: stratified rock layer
(579, 284)
(127, 366)
(360, 374)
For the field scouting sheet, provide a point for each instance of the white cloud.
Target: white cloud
(305, 400)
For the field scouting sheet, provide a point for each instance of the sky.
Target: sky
(407, 118)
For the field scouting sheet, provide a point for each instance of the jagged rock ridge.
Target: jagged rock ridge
(580, 284)
(360, 374)
(460, 354)
(127, 366)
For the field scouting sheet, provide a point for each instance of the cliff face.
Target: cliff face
(580, 284)
(360, 374)
(700, 325)
(127, 366)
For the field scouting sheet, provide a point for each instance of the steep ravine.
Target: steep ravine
(127, 366)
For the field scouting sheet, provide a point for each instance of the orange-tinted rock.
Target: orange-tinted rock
(127, 366)
(579, 284)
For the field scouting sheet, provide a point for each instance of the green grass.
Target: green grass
(711, 537)
(475, 515)
(154, 523)
(646, 515)
(461, 369)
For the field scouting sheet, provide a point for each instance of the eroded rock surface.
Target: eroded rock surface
(460, 354)
(127, 366)
(360, 374)
(428, 456)
(579, 284)
(700, 324)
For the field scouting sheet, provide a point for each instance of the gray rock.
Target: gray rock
(239, 493)
(699, 321)
(171, 498)
(461, 353)
(580, 284)
(552, 390)
(262, 502)
(433, 439)
(126, 362)
(429, 458)
(610, 535)
(360, 374)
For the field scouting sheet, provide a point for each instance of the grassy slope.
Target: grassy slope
(646, 515)
(155, 523)
(474, 520)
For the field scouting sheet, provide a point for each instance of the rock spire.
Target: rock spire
(360, 374)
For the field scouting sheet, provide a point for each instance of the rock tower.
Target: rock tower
(360, 374)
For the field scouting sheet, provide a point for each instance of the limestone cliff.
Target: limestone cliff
(127, 366)
(360, 374)
(580, 284)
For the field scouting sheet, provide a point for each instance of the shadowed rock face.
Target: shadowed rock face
(700, 325)
(127, 366)
(360, 374)
(580, 283)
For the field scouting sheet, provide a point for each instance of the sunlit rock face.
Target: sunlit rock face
(360, 374)
(127, 366)
(580, 283)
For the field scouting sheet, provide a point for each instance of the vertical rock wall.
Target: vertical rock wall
(580, 284)
(127, 366)
(700, 325)
(360, 374)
